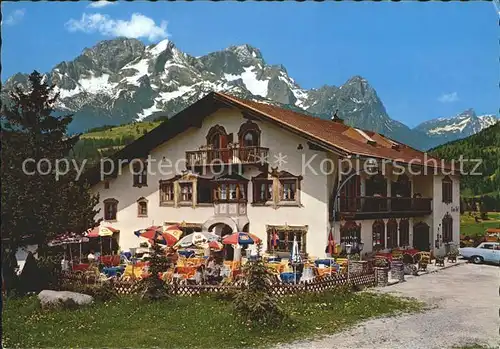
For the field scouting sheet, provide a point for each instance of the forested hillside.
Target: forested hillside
(484, 145)
(103, 141)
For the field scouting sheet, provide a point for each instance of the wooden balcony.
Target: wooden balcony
(368, 207)
(233, 156)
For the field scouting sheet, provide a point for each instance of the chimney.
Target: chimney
(335, 117)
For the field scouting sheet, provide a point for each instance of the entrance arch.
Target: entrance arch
(220, 229)
(421, 234)
(210, 224)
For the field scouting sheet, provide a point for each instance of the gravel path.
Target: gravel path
(464, 307)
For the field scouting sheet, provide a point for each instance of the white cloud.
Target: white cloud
(139, 26)
(102, 3)
(448, 97)
(14, 17)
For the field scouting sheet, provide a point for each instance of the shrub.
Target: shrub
(255, 303)
(102, 292)
(381, 263)
(154, 288)
(49, 272)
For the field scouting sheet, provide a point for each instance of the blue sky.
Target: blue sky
(425, 60)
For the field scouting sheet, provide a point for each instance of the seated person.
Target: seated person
(91, 256)
(213, 270)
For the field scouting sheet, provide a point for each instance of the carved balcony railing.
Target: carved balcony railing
(227, 156)
(377, 207)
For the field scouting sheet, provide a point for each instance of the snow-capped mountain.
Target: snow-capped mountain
(465, 124)
(121, 80)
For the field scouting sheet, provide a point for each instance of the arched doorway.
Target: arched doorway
(378, 235)
(392, 233)
(217, 140)
(421, 233)
(221, 229)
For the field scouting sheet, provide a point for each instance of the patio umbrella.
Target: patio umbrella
(156, 234)
(215, 245)
(331, 243)
(68, 238)
(174, 230)
(101, 231)
(196, 239)
(275, 239)
(295, 256)
(240, 239)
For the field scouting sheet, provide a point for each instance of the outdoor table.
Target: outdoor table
(112, 271)
(187, 271)
(80, 267)
(276, 267)
(289, 278)
(186, 253)
(326, 262)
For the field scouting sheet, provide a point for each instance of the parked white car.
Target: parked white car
(488, 252)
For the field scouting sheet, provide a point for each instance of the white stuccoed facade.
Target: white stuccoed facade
(315, 190)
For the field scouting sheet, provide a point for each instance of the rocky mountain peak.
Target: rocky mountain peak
(122, 80)
(469, 113)
(246, 53)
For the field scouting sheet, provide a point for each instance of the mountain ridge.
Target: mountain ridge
(122, 80)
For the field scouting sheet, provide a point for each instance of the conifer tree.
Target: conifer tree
(35, 203)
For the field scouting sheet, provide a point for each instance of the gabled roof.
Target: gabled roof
(329, 135)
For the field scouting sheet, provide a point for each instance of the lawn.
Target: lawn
(469, 227)
(181, 322)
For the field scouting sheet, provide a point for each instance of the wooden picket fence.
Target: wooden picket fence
(278, 288)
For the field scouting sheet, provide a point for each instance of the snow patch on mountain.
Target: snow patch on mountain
(453, 127)
(252, 83)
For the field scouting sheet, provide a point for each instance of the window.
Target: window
(142, 207)
(110, 209)
(166, 192)
(404, 233)
(217, 137)
(140, 173)
(288, 190)
(447, 184)
(289, 187)
(204, 192)
(249, 134)
(447, 223)
(250, 139)
(488, 246)
(285, 238)
(186, 192)
(350, 232)
(262, 191)
(392, 233)
(230, 191)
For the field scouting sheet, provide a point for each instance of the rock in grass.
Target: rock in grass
(64, 299)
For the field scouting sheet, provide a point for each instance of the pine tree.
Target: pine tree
(35, 204)
(154, 287)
